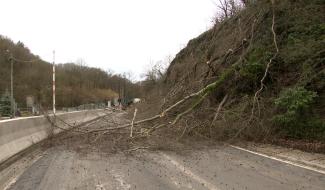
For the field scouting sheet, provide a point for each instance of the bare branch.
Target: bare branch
(219, 108)
(255, 99)
(190, 109)
(137, 148)
(132, 123)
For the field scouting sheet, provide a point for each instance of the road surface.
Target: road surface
(213, 167)
(210, 168)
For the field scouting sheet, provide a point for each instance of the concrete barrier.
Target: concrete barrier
(18, 134)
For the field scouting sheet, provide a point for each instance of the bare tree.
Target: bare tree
(223, 5)
(154, 75)
(228, 8)
(247, 2)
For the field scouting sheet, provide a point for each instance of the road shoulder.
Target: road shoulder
(307, 160)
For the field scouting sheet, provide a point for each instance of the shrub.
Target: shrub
(296, 119)
(253, 69)
(295, 100)
(5, 104)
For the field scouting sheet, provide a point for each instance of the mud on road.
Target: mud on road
(75, 160)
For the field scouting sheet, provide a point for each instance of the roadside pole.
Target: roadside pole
(12, 106)
(54, 110)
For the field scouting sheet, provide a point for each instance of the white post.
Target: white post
(54, 82)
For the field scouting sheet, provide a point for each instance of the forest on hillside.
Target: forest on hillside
(76, 83)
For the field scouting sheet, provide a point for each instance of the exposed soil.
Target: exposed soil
(118, 141)
(72, 157)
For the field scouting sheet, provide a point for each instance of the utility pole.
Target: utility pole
(124, 87)
(12, 86)
(54, 110)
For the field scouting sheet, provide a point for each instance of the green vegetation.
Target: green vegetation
(291, 102)
(5, 104)
(296, 117)
(253, 69)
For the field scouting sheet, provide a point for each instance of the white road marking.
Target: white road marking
(182, 168)
(280, 160)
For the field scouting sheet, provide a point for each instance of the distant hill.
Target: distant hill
(75, 84)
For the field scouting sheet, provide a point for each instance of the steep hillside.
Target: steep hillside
(273, 82)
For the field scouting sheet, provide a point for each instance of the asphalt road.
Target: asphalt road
(211, 168)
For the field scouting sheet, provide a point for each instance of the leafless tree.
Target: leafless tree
(223, 5)
(228, 8)
(154, 75)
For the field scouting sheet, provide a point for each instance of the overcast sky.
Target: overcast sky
(122, 35)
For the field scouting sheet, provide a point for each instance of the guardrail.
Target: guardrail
(20, 133)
